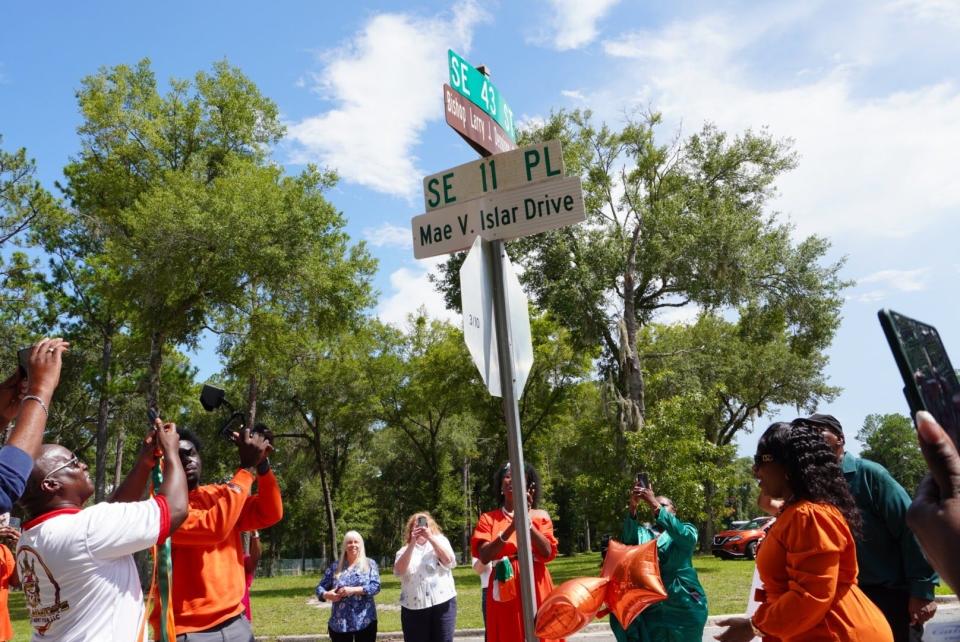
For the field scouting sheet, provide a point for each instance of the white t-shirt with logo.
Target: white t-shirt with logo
(427, 582)
(77, 571)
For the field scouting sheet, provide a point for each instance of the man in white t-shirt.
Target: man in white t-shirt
(76, 564)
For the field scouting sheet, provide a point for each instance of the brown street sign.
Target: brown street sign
(474, 125)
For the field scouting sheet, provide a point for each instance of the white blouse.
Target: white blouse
(427, 582)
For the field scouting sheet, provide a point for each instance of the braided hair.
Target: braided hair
(812, 468)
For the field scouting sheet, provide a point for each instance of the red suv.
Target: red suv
(743, 541)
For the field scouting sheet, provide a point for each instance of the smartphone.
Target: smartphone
(422, 521)
(643, 480)
(152, 415)
(930, 382)
(14, 522)
(23, 358)
(234, 424)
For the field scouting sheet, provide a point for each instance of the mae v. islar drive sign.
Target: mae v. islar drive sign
(505, 196)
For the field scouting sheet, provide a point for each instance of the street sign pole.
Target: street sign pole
(511, 411)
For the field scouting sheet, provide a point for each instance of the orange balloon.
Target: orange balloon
(570, 607)
(635, 582)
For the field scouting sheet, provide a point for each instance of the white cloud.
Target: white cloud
(413, 290)
(574, 22)
(871, 296)
(902, 280)
(385, 84)
(388, 235)
(943, 12)
(876, 165)
(575, 94)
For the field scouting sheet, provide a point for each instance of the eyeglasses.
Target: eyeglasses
(73, 461)
(765, 458)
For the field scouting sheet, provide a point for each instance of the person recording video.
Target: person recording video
(25, 396)
(76, 564)
(207, 550)
(934, 515)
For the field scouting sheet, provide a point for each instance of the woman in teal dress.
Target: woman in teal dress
(682, 616)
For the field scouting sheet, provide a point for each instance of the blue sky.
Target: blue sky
(869, 91)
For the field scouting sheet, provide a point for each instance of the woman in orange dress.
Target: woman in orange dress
(495, 538)
(808, 560)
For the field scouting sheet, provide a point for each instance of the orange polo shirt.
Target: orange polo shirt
(207, 549)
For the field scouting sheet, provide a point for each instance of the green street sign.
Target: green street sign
(480, 91)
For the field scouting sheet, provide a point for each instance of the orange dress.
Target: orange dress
(504, 619)
(7, 567)
(808, 565)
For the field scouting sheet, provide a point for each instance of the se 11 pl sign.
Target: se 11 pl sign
(503, 172)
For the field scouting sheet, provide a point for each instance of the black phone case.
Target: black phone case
(911, 388)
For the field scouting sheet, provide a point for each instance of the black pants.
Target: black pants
(368, 634)
(432, 624)
(893, 603)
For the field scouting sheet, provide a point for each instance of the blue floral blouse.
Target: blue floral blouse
(356, 612)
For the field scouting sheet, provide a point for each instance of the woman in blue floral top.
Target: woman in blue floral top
(350, 585)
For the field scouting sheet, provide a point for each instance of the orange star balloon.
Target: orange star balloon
(570, 607)
(635, 584)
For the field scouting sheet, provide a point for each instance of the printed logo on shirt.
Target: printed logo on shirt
(235, 487)
(41, 616)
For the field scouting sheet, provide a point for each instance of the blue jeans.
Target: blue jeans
(433, 624)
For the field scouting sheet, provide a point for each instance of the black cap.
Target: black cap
(827, 422)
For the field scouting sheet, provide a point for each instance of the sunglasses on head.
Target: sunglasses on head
(765, 458)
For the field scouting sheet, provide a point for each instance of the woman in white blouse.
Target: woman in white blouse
(428, 597)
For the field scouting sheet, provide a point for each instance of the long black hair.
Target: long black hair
(532, 479)
(813, 471)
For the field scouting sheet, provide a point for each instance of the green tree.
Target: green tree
(670, 225)
(891, 441)
(156, 174)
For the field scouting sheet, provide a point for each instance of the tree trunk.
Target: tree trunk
(118, 464)
(709, 492)
(631, 373)
(103, 416)
(467, 513)
(328, 506)
(588, 535)
(253, 389)
(153, 375)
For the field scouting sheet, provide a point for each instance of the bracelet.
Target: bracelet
(500, 537)
(46, 412)
(263, 467)
(756, 632)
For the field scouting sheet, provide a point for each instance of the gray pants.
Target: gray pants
(236, 629)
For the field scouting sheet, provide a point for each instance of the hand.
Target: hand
(169, 440)
(635, 497)
(9, 536)
(253, 447)
(420, 531)
(934, 515)
(11, 392)
(43, 367)
(646, 495)
(332, 596)
(738, 630)
(148, 450)
(920, 609)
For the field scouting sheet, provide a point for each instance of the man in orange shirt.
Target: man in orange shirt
(207, 549)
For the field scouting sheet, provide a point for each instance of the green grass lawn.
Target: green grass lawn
(283, 605)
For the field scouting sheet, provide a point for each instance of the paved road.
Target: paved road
(945, 627)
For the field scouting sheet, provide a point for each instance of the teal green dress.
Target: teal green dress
(682, 616)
